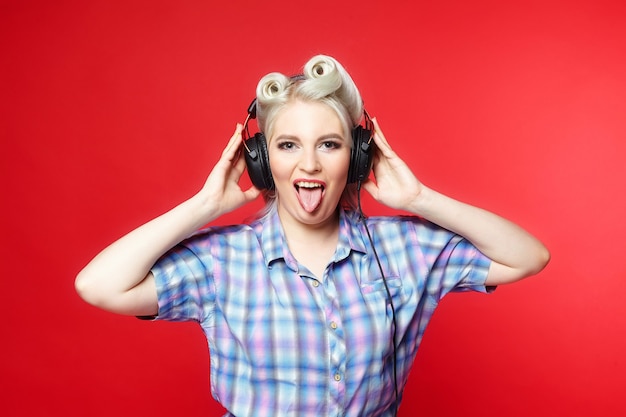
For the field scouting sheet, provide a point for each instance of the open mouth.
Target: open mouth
(309, 185)
(310, 194)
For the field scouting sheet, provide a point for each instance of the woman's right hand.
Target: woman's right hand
(118, 279)
(221, 192)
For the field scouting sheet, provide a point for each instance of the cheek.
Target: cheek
(342, 166)
(279, 167)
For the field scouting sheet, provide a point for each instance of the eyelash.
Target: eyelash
(333, 144)
(286, 145)
(329, 144)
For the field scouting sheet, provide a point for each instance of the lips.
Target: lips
(310, 194)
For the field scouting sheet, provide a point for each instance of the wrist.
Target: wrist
(422, 204)
(200, 210)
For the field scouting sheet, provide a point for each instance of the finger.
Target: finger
(233, 143)
(379, 137)
(381, 141)
(376, 158)
(378, 134)
(252, 193)
(371, 187)
(239, 163)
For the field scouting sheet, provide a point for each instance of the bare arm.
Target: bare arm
(514, 252)
(118, 279)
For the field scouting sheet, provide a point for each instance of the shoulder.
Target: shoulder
(403, 223)
(401, 230)
(215, 236)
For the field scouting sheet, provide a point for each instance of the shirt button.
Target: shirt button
(316, 284)
(337, 377)
(333, 325)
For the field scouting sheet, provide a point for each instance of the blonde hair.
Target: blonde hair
(323, 80)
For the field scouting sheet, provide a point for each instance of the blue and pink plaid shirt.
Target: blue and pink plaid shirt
(283, 342)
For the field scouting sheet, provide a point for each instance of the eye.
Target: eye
(286, 145)
(331, 144)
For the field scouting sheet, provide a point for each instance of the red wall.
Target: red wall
(114, 111)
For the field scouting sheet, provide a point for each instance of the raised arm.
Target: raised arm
(118, 279)
(515, 253)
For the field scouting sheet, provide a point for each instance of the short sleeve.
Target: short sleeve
(460, 266)
(184, 282)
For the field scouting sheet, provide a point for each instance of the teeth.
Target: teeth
(306, 184)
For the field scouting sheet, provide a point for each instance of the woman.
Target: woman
(311, 309)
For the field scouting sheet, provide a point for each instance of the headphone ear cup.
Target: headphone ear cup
(258, 162)
(362, 155)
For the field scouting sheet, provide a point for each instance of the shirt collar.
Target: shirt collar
(351, 236)
(274, 244)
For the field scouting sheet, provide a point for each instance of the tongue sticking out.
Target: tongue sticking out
(310, 198)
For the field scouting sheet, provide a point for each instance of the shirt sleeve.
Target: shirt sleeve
(444, 261)
(460, 266)
(184, 282)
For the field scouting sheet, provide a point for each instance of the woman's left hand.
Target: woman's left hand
(514, 252)
(394, 184)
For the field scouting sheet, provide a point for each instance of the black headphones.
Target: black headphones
(258, 163)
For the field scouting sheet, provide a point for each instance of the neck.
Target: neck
(296, 231)
(313, 245)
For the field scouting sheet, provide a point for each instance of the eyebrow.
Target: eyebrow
(323, 137)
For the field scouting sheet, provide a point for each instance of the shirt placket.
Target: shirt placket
(326, 298)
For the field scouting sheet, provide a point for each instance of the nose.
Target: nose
(310, 161)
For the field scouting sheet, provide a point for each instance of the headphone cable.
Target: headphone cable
(363, 218)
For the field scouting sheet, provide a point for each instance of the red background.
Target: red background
(114, 111)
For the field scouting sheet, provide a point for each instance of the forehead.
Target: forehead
(307, 118)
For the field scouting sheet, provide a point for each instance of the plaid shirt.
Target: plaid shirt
(285, 343)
